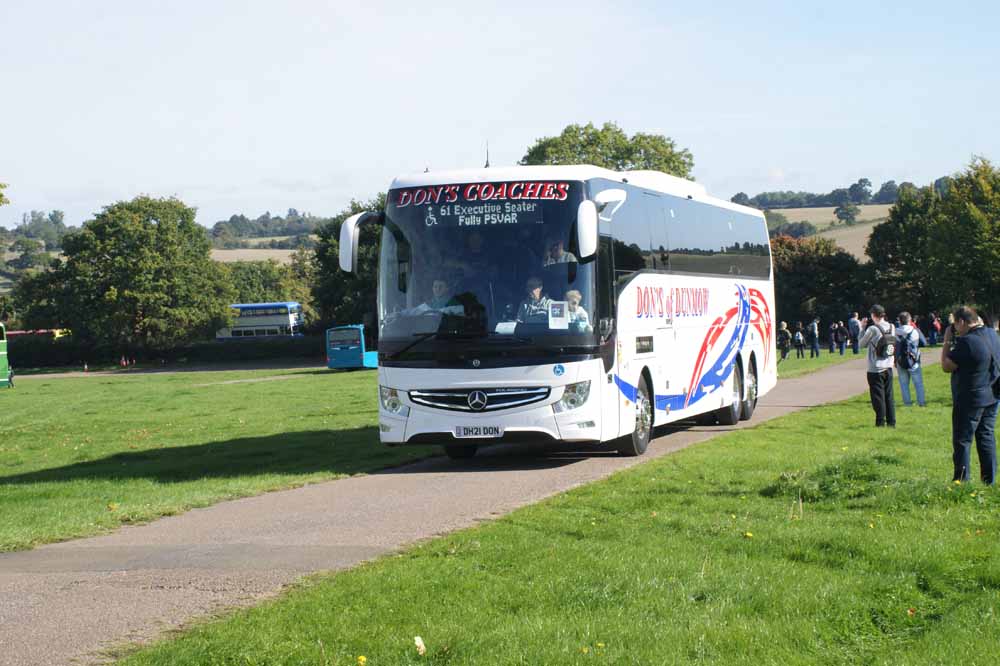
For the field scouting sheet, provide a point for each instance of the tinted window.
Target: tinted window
(707, 239)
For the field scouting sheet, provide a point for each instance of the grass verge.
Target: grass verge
(79, 456)
(796, 367)
(811, 539)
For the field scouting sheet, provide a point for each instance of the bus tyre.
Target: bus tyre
(730, 414)
(636, 444)
(460, 451)
(750, 403)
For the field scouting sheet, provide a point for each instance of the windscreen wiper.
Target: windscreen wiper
(420, 337)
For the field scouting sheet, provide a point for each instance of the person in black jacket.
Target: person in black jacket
(974, 357)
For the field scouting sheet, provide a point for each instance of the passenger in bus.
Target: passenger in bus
(557, 254)
(536, 306)
(578, 317)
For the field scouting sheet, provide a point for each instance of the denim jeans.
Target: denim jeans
(814, 349)
(967, 422)
(917, 375)
(841, 346)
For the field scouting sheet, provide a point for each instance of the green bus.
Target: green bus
(6, 374)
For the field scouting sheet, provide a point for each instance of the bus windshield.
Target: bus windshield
(485, 262)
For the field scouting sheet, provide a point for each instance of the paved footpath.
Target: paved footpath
(64, 603)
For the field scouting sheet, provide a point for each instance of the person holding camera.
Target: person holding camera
(880, 340)
(971, 353)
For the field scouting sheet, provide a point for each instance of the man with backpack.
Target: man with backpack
(880, 340)
(908, 360)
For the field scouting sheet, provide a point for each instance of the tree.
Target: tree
(965, 236)
(774, 219)
(138, 275)
(847, 213)
(257, 281)
(814, 277)
(861, 191)
(793, 229)
(903, 268)
(611, 148)
(887, 194)
(741, 198)
(269, 281)
(347, 298)
(31, 254)
(3, 198)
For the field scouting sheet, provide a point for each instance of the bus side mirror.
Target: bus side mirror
(607, 198)
(349, 240)
(586, 229)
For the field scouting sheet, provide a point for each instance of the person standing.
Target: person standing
(876, 339)
(908, 360)
(974, 357)
(784, 340)
(854, 331)
(812, 334)
(833, 336)
(840, 336)
(799, 340)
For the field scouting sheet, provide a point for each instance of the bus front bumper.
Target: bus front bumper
(542, 423)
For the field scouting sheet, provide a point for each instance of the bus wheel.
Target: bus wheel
(460, 451)
(730, 414)
(748, 405)
(636, 444)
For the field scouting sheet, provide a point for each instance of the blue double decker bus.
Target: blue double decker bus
(263, 320)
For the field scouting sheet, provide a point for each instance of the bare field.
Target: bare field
(263, 240)
(253, 254)
(853, 239)
(824, 217)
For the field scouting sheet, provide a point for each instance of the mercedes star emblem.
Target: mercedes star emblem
(477, 400)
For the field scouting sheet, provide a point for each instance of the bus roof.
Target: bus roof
(650, 180)
(264, 305)
(334, 328)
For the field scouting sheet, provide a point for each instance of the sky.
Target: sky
(246, 107)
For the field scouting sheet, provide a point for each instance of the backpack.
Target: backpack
(798, 337)
(887, 344)
(907, 353)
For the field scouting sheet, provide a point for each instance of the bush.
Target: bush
(32, 351)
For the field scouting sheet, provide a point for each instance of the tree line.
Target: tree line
(140, 275)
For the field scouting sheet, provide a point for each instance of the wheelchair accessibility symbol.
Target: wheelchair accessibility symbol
(430, 220)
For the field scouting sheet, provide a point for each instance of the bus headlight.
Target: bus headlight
(573, 396)
(391, 403)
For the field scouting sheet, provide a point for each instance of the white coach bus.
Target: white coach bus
(567, 303)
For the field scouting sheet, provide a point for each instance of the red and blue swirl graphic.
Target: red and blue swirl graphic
(751, 309)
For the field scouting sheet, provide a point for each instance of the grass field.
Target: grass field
(796, 367)
(83, 456)
(811, 539)
(824, 217)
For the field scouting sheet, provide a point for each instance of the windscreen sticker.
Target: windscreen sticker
(558, 315)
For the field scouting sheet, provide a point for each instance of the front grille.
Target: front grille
(470, 400)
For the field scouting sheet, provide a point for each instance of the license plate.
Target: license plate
(479, 432)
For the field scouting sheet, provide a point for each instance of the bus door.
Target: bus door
(665, 364)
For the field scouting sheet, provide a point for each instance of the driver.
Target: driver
(442, 295)
(557, 254)
(536, 305)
